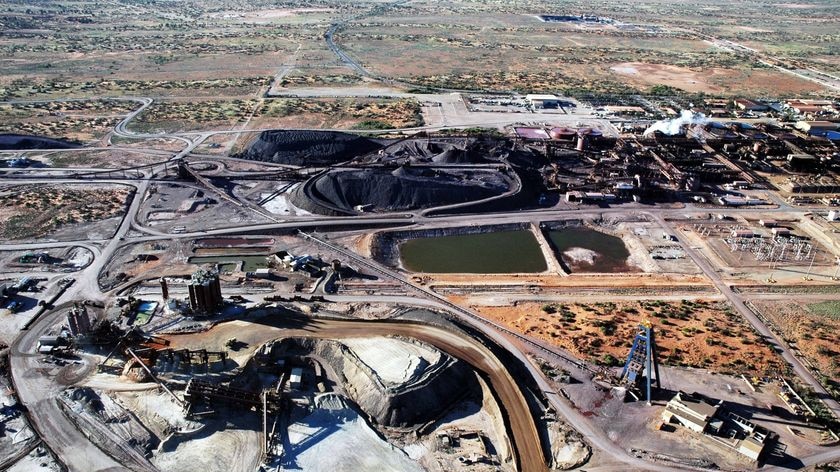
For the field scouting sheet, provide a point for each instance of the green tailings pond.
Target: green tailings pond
(586, 250)
(502, 252)
(250, 263)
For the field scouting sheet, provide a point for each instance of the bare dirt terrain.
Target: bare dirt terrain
(689, 333)
(814, 328)
(716, 81)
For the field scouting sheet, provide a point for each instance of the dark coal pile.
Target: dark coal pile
(308, 148)
(436, 151)
(405, 188)
(15, 142)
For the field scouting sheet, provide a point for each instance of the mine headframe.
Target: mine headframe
(642, 365)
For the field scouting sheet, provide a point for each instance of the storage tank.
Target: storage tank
(562, 134)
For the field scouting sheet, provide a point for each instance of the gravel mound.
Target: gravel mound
(308, 148)
(405, 188)
(14, 142)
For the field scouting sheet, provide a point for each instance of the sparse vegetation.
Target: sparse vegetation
(692, 333)
(31, 213)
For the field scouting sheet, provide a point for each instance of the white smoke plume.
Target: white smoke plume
(674, 126)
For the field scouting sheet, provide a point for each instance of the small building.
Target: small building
(78, 320)
(690, 411)
(543, 100)
(629, 110)
(24, 284)
(296, 378)
(833, 215)
(743, 233)
(768, 223)
(574, 196)
(752, 447)
(714, 421)
(263, 273)
(740, 201)
(780, 232)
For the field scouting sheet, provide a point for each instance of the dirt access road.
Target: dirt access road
(524, 435)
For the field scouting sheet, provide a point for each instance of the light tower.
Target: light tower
(641, 362)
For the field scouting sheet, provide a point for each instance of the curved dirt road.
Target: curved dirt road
(525, 438)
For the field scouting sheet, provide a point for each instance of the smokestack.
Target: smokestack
(757, 147)
(581, 142)
(164, 289)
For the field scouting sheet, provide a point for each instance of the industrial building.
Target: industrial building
(750, 105)
(78, 320)
(689, 412)
(817, 128)
(714, 421)
(205, 291)
(543, 101)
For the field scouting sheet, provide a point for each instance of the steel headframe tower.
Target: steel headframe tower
(642, 360)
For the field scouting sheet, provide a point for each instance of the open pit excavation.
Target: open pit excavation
(524, 437)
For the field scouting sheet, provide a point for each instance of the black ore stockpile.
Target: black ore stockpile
(308, 148)
(12, 142)
(438, 151)
(405, 188)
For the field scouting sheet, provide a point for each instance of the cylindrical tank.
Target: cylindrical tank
(564, 134)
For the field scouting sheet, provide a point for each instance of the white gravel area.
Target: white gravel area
(336, 439)
(579, 254)
(395, 361)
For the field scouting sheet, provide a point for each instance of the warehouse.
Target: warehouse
(543, 101)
